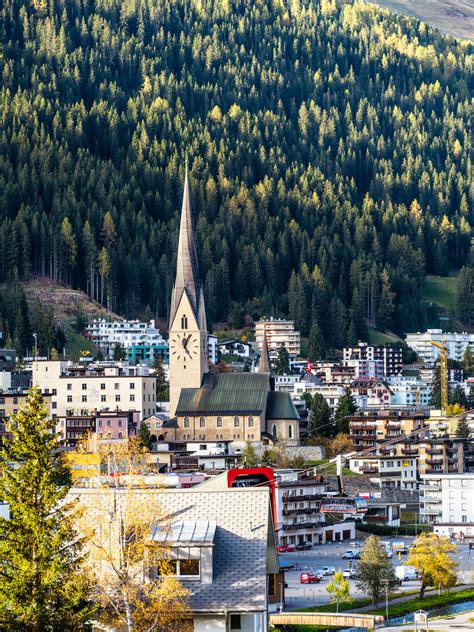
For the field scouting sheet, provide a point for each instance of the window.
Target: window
(203, 446)
(69, 398)
(120, 435)
(117, 398)
(251, 422)
(463, 518)
(274, 430)
(186, 422)
(219, 422)
(290, 431)
(120, 423)
(184, 322)
(54, 405)
(132, 386)
(235, 622)
(103, 398)
(84, 387)
(101, 423)
(236, 422)
(109, 422)
(132, 398)
(202, 422)
(102, 387)
(84, 398)
(69, 387)
(116, 386)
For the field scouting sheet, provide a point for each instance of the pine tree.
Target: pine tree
(282, 366)
(468, 361)
(162, 385)
(119, 352)
(463, 430)
(317, 347)
(320, 423)
(458, 396)
(41, 583)
(386, 305)
(346, 407)
(145, 436)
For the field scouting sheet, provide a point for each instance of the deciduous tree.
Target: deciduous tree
(431, 557)
(374, 570)
(339, 589)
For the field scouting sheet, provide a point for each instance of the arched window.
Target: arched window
(290, 431)
(184, 322)
(251, 421)
(186, 422)
(236, 422)
(274, 430)
(219, 422)
(202, 422)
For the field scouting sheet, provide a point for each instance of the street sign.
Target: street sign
(421, 620)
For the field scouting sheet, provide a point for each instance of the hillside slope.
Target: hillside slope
(453, 17)
(328, 149)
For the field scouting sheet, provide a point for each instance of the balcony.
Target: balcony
(362, 427)
(434, 462)
(300, 512)
(369, 470)
(410, 451)
(430, 511)
(393, 425)
(434, 451)
(432, 470)
(377, 518)
(365, 437)
(303, 525)
(288, 498)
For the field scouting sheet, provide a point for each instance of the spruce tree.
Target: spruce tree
(346, 407)
(463, 430)
(282, 366)
(42, 586)
(145, 436)
(317, 347)
(162, 386)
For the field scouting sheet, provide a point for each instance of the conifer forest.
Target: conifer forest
(328, 147)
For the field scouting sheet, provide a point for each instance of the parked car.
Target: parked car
(309, 578)
(286, 548)
(351, 555)
(320, 574)
(304, 546)
(328, 570)
(349, 572)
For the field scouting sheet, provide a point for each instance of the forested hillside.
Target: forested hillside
(328, 150)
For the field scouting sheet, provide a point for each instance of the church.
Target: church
(207, 406)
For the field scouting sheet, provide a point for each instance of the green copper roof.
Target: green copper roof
(280, 406)
(226, 394)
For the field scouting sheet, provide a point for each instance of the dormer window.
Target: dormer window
(184, 322)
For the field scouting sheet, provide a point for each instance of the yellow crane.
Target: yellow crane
(443, 362)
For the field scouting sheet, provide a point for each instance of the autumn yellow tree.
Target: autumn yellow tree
(431, 557)
(131, 576)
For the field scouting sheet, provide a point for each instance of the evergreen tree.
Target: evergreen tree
(317, 348)
(463, 430)
(42, 586)
(435, 395)
(319, 423)
(386, 306)
(468, 361)
(282, 366)
(346, 407)
(458, 396)
(162, 385)
(465, 296)
(119, 352)
(145, 436)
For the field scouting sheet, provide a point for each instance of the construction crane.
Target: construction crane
(443, 363)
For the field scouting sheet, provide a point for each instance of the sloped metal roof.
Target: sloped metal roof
(226, 394)
(186, 531)
(280, 406)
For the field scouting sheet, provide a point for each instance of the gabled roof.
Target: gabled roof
(226, 394)
(241, 552)
(280, 406)
(264, 366)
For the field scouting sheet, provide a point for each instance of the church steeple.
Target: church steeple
(187, 270)
(264, 366)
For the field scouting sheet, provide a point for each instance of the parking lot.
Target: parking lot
(304, 595)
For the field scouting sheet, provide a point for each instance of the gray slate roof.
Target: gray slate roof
(226, 394)
(280, 406)
(240, 545)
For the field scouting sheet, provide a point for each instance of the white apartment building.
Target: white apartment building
(286, 382)
(387, 471)
(128, 333)
(446, 501)
(332, 393)
(298, 512)
(379, 359)
(101, 386)
(408, 391)
(213, 348)
(366, 368)
(279, 333)
(456, 344)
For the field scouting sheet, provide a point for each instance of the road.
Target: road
(304, 595)
(446, 624)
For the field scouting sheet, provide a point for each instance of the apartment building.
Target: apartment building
(141, 341)
(446, 455)
(371, 392)
(385, 358)
(279, 333)
(332, 372)
(387, 471)
(371, 428)
(298, 513)
(332, 393)
(107, 426)
(456, 344)
(11, 401)
(408, 391)
(446, 503)
(102, 386)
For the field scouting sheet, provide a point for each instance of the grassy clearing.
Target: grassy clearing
(75, 343)
(399, 609)
(331, 469)
(441, 290)
(376, 337)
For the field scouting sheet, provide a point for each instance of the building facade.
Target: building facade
(279, 333)
(387, 471)
(82, 390)
(456, 344)
(446, 502)
(385, 358)
(368, 429)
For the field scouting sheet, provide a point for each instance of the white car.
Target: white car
(349, 572)
(319, 574)
(328, 570)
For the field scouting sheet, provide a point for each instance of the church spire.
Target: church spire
(187, 270)
(264, 366)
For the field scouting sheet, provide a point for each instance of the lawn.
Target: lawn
(75, 343)
(441, 290)
(399, 609)
(376, 337)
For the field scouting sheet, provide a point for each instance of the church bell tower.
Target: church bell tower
(188, 345)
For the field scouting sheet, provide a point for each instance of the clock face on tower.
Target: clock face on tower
(185, 346)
